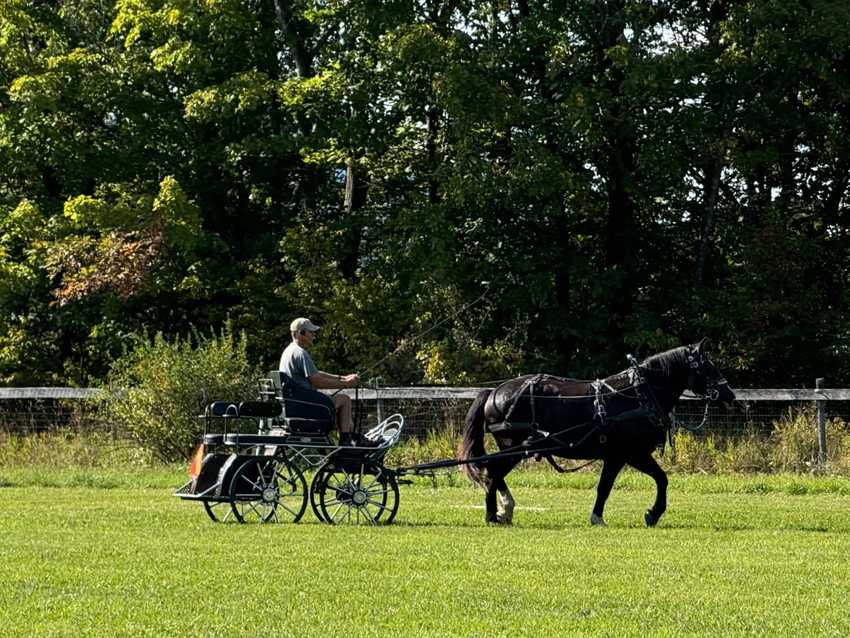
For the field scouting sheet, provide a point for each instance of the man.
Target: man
(297, 363)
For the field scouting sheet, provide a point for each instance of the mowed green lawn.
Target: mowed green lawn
(92, 556)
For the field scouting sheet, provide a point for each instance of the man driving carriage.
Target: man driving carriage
(296, 362)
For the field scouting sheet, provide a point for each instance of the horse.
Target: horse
(621, 420)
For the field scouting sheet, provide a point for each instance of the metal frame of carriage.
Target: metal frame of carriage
(260, 476)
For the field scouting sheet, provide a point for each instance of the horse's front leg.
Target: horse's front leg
(611, 467)
(649, 466)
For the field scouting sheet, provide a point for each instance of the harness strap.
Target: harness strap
(567, 470)
(528, 385)
(599, 401)
(647, 397)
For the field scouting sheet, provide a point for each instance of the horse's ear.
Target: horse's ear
(703, 345)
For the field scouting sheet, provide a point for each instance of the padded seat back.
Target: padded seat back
(304, 411)
(283, 385)
(260, 409)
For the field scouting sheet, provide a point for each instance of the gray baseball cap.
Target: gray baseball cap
(302, 323)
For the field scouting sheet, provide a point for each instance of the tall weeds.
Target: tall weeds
(791, 445)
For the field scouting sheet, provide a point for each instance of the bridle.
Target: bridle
(697, 362)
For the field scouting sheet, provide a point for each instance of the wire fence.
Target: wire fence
(430, 409)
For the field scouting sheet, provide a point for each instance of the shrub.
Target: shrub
(156, 391)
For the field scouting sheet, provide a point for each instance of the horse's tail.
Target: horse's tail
(472, 444)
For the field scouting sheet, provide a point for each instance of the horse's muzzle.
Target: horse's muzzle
(721, 393)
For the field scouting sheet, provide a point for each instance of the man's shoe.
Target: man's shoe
(347, 439)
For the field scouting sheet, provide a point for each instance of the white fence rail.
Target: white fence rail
(438, 393)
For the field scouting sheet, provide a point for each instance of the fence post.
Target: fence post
(821, 410)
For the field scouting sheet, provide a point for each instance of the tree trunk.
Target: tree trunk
(711, 188)
(433, 159)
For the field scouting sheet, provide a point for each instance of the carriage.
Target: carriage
(261, 476)
(621, 419)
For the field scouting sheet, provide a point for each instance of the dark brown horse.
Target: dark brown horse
(621, 420)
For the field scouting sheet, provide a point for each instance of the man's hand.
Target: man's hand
(350, 380)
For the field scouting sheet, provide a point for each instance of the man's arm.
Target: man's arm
(324, 381)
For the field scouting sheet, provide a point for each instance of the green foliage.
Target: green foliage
(628, 175)
(157, 390)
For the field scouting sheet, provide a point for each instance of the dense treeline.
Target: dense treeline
(619, 176)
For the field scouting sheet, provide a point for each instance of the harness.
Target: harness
(648, 408)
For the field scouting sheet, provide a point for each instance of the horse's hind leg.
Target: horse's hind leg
(498, 502)
(610, 469)
(505, 511)
(490, 510)
(648, 465)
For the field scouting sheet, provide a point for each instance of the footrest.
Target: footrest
(298, 425)
(185, 490)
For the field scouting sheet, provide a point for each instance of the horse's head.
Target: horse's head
(704, 379)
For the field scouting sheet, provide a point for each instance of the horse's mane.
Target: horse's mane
(668, 362)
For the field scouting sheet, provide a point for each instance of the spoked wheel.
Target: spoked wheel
(361, 495)
(315, 487)
(268, 489)
(218, 511)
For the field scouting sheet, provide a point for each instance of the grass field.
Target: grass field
(104, 553)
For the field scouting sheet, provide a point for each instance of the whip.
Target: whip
(417, 337)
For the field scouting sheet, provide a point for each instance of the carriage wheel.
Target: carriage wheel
(266, 489)
(364, 495)
(218, 511)
(315, 488)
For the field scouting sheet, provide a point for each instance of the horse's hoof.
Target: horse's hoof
(597, 520)
(650, 518)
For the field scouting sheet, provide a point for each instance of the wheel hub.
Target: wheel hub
(269, 495)
(359, 497)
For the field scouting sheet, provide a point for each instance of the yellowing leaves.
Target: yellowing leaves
(298, 92)
(179, 56)
(120, 239)
(241, 94)
(180, 218)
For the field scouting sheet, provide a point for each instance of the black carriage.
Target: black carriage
(259, 476)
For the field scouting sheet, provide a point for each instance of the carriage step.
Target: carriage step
(185, 490)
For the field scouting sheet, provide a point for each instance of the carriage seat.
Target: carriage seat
(303, 411)
(254, 410)
(244, 409)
